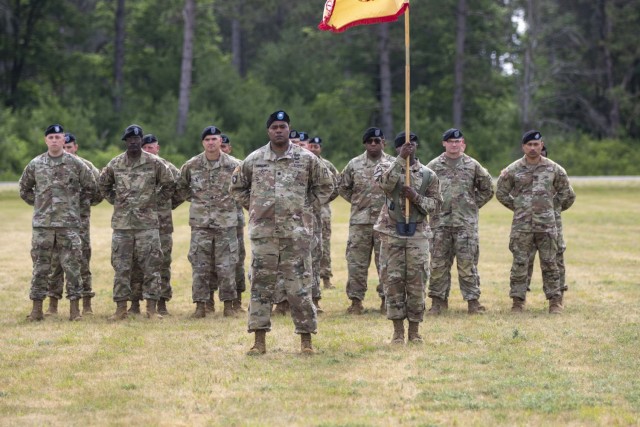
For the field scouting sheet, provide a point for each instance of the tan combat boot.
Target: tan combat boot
(152, 312)
(398, 332)
(475, 307)
(518, 305)
(53, 307)
(281, 308)
(121, 311)
(86, 306)
(305, 344)
(162, 307)
(444, 306)
(201, 311)
(316, 302)
(414, 336)
(326, 281)
(228, 309)
(237, 303)
(210, 306)
(356, 307)
(74, 310)
(36, 311)
(260, 345)
(135, 307)
(436, 306)
(383, 305)
(555, 305)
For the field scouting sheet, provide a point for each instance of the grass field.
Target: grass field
(577, 369)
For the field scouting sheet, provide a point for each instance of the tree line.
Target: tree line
(493, 68)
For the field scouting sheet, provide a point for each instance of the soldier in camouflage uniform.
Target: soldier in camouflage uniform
(273, 184)
(135, 182)
(55, 183)
(315, 146)
(213, 217)
(466, 187)
(358, 187)
(528, 187)
(562, 246)
(151, 145)
(56, 277)
(404, 249)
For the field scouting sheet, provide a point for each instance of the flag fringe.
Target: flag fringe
(324, 26)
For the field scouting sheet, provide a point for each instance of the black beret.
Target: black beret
(69, 137)
(294, 134)
(278, 116)
(132, 130)
(531, 135)
(400, 138)
(53, 129)
(210, 130)
(452, 133)
(304, 136)
(149, 139)
(225, 139)
(315, 140)
(372, 133)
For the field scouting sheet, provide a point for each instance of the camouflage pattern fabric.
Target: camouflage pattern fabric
(241, 284)
(213, 255)
(137, 276)
(404, 265)
(56, 277)
(275, 191)
(466, 188)
(144, 246)
(362, 243)
(529, 191)
(134, 188)
(284, 263)
(325, 216)
(404, 271)
(64, 243)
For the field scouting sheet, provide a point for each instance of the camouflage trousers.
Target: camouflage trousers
(325, 262)
(460, 243)
(213, 255)
(143, 246)
(56, 276)
(404, 272)
(363, 241)
(281, 267)
(562, 247)
(316, 259)
(63, 243)
(241, 284)
(137, 277)
(523, 246)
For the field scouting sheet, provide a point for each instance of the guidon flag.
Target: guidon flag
(340, 15)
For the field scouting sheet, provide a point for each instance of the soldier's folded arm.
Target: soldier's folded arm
(503, 191)
(165, 182)
(322, 185)
(345, 184)
(106, 184)
(484, 187)
(565, 194)
(240, 187)
(27, 186)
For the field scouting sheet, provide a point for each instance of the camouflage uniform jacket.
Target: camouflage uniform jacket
(275, 190)
(427, 204)
(206, 186)
(92, 199)
(326, 207)
(358, 187)
(165, 218)
(238, 205)
(134, 188)
(465, 189)
(529, 191)
(55, 188)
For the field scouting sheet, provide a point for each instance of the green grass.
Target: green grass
(496, 369)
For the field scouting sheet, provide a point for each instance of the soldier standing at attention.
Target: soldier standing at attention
(213, 217)
(404, 249)
(56, 278)
(151, 145)
(466, 187)
(273, 184)
(315, 146)
(134, 182)
(358, 187)
(528, 187)
(54, 183)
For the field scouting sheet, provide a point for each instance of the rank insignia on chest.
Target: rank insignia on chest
(296, 156)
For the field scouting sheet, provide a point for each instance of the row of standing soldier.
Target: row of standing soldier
(286, 204)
